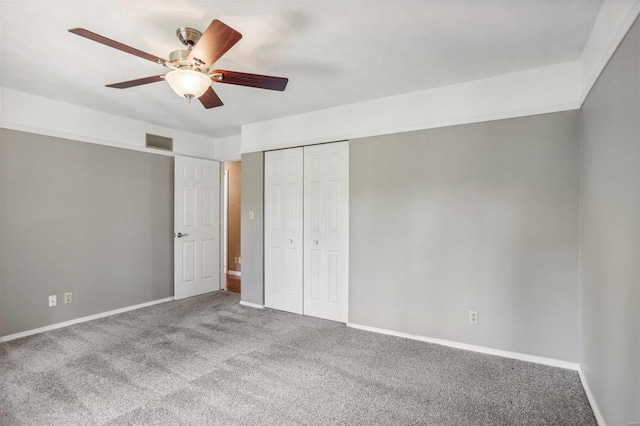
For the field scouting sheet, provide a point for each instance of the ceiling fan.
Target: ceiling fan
(190, 74)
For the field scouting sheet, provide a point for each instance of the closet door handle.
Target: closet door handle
(290, 241)
(180, 235)
(315, 242)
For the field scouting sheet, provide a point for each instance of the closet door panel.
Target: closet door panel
(326, 209)
(283, 230)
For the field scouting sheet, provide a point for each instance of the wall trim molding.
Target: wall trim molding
(251, 305)
(474, 348)
(83, 319)
(455, 121)
(36, 114)
(234, 273)
(542, 90)
(79, 138)
(591, 398)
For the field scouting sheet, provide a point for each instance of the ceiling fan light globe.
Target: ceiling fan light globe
(187, 83)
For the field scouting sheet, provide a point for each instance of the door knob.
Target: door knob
(180, 235)
(315, 242)
(290, 241)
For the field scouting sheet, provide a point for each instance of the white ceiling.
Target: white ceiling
(333, 52)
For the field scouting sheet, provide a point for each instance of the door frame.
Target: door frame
(224, 219)
(224, 224)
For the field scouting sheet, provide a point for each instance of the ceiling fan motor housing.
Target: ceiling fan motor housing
(180, 59)
(188, 36)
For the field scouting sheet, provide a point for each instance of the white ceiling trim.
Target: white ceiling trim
(612, 24)
(34, 114)
(537, 91)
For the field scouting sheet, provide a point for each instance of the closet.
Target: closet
(307, 230)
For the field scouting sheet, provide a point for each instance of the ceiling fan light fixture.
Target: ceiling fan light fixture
(187, 83)
(190, 66)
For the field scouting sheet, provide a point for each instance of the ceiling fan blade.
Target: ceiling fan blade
(116, 45)
(210, 99)
(215, 41)
(136, 82)
(250, 80)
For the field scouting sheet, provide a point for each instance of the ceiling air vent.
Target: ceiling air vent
(159, 142)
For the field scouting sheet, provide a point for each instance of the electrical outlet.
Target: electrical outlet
(250, 214)
(68, 297)
(473, 317)
(53, 301)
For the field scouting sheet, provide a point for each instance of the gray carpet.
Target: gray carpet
(208, 360)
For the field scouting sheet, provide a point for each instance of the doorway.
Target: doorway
(232, 259)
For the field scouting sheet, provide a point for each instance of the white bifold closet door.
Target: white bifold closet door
(326, 231)
(307, 230)
(283, 229)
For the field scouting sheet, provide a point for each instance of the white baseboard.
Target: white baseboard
(234, 273)
(482, 349)
(83, 319)
(251, 305)
(590, 397)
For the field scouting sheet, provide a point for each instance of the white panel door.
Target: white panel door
(196, 227)
(283, 229)
(326, 231)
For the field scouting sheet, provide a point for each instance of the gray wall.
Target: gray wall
(475, 217)
(90, 219)
(252, 235)
(610, 236)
